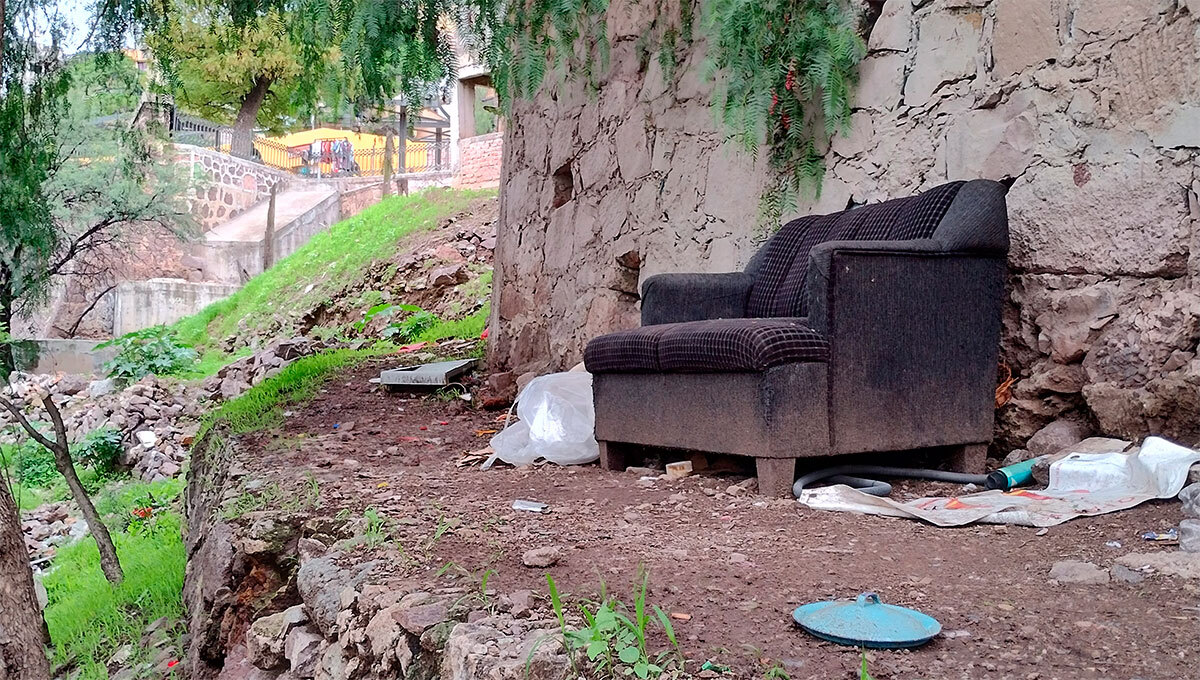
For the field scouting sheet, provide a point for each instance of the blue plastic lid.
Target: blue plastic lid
(867, 622)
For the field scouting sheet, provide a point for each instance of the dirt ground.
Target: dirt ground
(737, 565)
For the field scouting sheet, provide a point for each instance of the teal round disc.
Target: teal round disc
(867, 622)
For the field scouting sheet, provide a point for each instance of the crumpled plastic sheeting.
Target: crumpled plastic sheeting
(557, 423)
(1081, 485)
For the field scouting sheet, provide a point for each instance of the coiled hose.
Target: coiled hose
(847, 474)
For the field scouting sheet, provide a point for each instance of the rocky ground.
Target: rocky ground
(392, 519)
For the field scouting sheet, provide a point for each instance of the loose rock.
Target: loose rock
(540, 558)
(1084, 573)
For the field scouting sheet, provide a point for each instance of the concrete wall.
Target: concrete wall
(54, 355)
(235, 262)
(479, 161)
(141, 304)
(1089, 108)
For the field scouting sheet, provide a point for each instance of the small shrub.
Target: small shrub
(34, 465)
(100, 451)
(151, 350)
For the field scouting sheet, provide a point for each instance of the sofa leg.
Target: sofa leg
(969, 458)
(612, 456)
(775, 476)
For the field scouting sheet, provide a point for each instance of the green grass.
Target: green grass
(467, 328)
(262, 406)
(211, 361)
(324, 265)
(89, 619)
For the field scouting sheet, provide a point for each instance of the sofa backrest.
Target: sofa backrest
(979, 222)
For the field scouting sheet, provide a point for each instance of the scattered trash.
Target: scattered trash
(438, 373)
(473, 458)
(867, 622)
(1169, 536)
(484, 433)
(557, 423)
(680, 616)
(146, 438)
(1113, 544)
(715, 667)
(1081, 484)
(1042, 532)
(1011, 476)
(531, 506)
(679, 469)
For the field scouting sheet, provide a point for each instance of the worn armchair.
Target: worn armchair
(871, 330)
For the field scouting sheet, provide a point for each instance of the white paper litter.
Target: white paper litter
(1082, 484)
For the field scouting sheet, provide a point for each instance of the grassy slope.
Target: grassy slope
(324, 265)
(89, 619)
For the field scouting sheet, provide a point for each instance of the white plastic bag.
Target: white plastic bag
(557, 422)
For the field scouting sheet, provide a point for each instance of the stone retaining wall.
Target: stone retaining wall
(228, 185)
(1090, 109)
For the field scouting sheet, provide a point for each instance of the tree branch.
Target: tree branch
(24, 422)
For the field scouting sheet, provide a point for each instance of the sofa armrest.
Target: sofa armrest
(914, 334)
(673, 298)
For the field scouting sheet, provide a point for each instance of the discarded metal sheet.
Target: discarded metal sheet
(437, 374)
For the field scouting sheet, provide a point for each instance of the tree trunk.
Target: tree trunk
(242, 145)
(22, 629)
(109, 564)
(8, 362)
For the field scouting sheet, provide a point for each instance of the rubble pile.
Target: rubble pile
(239, 376)
(49, 527)
(157, 418)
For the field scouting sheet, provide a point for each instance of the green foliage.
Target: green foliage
(100, 450)
(615, 637)
(151, 350)
(417, 323)
(262, 406)
(787, 69)
(34, 465)
(320, 269)
(518, 40)
(863, 673)
(213, 62)
(89, 619)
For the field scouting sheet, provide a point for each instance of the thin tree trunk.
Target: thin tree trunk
(22, 629)
(60, 447)
(242, 145)
(389, 150)
(8, 361)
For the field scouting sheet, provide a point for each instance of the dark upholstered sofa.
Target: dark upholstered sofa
(871, 330)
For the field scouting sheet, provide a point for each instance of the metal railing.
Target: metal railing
(187, 129)
(419, 156)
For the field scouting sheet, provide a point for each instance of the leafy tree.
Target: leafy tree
(244, 73)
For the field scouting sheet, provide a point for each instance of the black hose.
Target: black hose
(877, 488)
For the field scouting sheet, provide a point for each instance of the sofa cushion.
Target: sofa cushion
(781, 271)
(632, 351)
(714, 346)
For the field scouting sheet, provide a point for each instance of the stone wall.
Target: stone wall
(479, 161)
(1090, 109)
(228, 185)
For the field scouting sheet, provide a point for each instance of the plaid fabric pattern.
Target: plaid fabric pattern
(632, 351)
(779, 288)
(718, 345)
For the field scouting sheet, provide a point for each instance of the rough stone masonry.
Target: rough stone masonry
(1090, 109)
